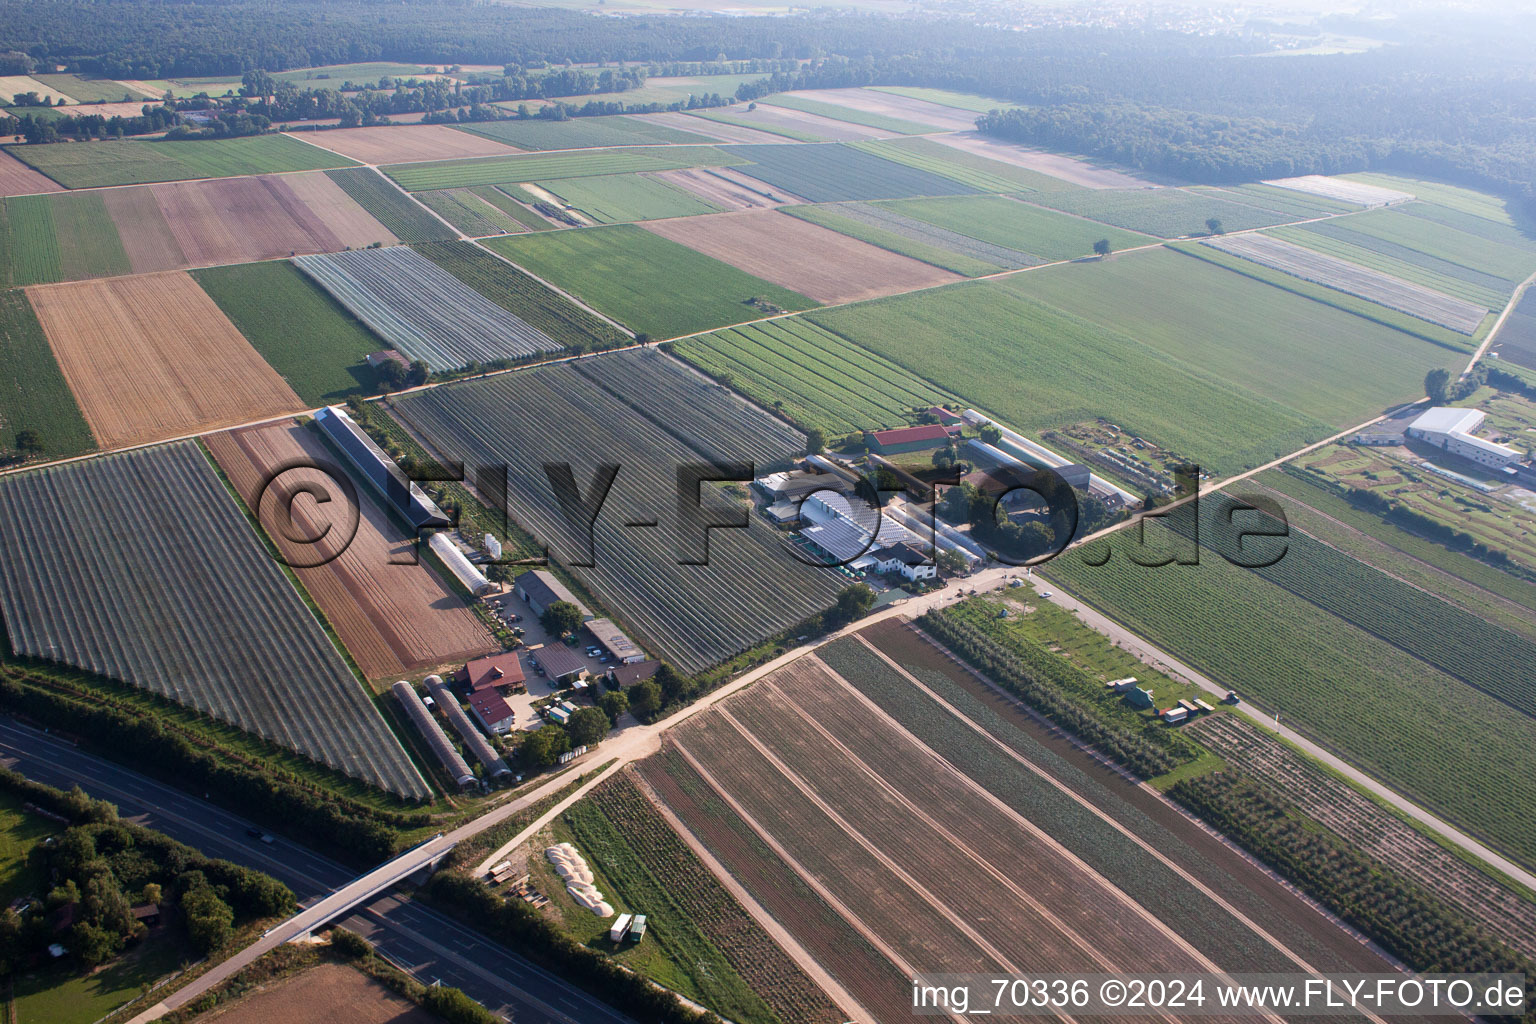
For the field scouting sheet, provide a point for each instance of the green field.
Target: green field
(583, 133)
(838, 112)
(1339, 239)
(1340, 683)
(1465, 200)
(948, 98)
(1322, 363)
(19, 832)
(1332, 297)
(724, 116)
(649, 283)
(1036, 366)
(971, 169)
(1048, 235)
(833, 172)
(1492, 252)
(827, 216)
(306, 335)
(812, 376)
(133, 162)
(440, 174)
(62, 995)
(1283, 200)
(522, 296)
(464, 209)
(58, 237)
(404, 219)
(89, 90)
(1165, 212)
(512, 208)
(33, 393)
(617, 198)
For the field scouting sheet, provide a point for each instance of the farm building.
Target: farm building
(1139, 697)
(911, 439)
(1175, 715)
(634, 672)
(458, 563)
(838, 541)
(432, 734)
(943, 415)
(472, 737)
(612, 639)
(794, 485)
(400, 494)
(540, 589)
(388, 355)
(493, 672)
(1451, 429)
(783, 513)
(493, 713)
(560, 663)
(906, 561)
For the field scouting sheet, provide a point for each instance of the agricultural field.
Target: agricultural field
(722, 131)
(404, 143)
(816, 262)
(980, 172)
(442, 174)
(583, 133)
(1363, 282)
(176, 558)
(1516, 340)
(1358, 688)
(648, 414)
(816, 763)
(618, 198)
(305, 335)
(33, 393)
(812, 376)
(469, 212)
(531, 302)
(422, 310)
(17, 179)
(1375, 830)
(721, 189)
(11, 85)
(151, 356)
(1000, 349)
(1164, 212)
(946, 98)
(883, 227)
(395, 211)
(769, 126)
(1343, 189)
(137, 162)
(1266, 196)
(90, 90)
(392, 611)
(1071, 172)
(834, 173)
(1483, 589)
(714, 951)
(838, 111)
(1314, 359)
(331, 991)
(650, 284)
(525, 218)
(1044, 235)
(59, 237)
(903, 114)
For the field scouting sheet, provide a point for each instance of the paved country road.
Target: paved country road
(431, 946)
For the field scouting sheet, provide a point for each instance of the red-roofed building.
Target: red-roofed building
(492, 673)
(911, 439)
(495, 715)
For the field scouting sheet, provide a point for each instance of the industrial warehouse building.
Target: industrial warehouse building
(540, 589)
(1451, 429)
(612, 639)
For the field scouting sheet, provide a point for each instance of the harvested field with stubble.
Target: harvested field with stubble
(721, 190)
(327, 992)
(391, 610)
(17, 179)
(152, 356)
(803, 257)
(406, 143)
(915, 854)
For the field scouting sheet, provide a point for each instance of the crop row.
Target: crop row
(1391, 292)
(649, 416)
(441, 174)
(1339, 240)
(1165, 212)
(421, 309)
(833, 172)
(386, 204)
(465, 211)
(993, 257)
(700, 900)
(966, 168)
(524, 297)
(140, 567)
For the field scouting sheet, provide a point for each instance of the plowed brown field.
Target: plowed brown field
(392, 612)
(403, 144)
(238, 220)
(812, 260)
(147, 238)
(151, 357)
(17, 179)
(327, 992)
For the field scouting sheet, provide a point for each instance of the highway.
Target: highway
(430, 945)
